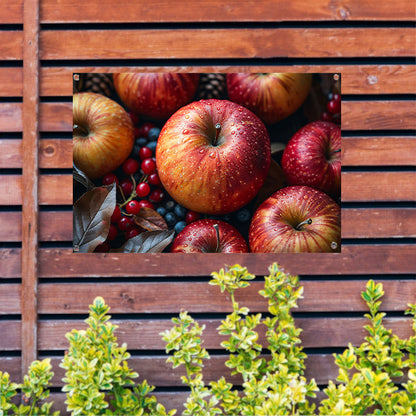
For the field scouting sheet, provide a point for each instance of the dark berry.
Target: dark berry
(141, 141)
(180, 211)
(134, 118)
(157, 196)
(192, 216)
(142, 189)
(145, 153)
(127, 187)
(326, 116)
(131, 233)
(170, 219)
(243, 215)
(154, 179)
(102, 248)
(133, 207)
(179, 226)
(148, 166)
(161, 211)
(109, 179)
(125, 223)
(152, 145)
(153, 133)
(131, 166)
(112, 233)
(169, 205)
(146, 127)
(333, 106)
(137, 132)
(144, 203)
(135, 152)
(115, 218)
(337, 97)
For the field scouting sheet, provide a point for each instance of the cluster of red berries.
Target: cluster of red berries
(333, 109)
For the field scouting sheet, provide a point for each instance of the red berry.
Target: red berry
(157, 196)
(134, 118)
(131, 233)
(144, 203)
(115, 218)
(127, 187)
(137, 132)
(154, 179)
(336, 97)
(112, 233)
(109, 179)
(125, 223)
(326, 116)
(146, 127)
(133, 207)
(145, 153)
(148, 166)
(130, 166)
(102, 248)
(142, 189)
(334, 107)
(192, 216)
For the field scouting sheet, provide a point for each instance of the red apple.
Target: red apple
(296, 219)
(312, 157)
(155, 95)
(272, 96)
(209, 236)
(213, 156)
(103, 134)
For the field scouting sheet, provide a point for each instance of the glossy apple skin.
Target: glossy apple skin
(155, 95)
(312, 157)
(201, 237)
(208, 178)
(272, 96)
(273, 226)
(103, 134)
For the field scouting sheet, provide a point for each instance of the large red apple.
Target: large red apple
(155, 95)
(103, 134)
(272, 96)
(209, 236)
(312, 157)
(213, 156)
(296, 219)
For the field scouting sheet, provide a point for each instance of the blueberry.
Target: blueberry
(141, 141)
(170, 219)
(152, 145)
(243, 215)
(180, 211)
(135, 152)
(153, 133)
(161, 211)
(170, 205)
(180, 226)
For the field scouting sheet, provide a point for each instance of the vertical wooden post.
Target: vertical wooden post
(30, 181)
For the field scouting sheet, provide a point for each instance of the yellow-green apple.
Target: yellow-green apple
(155, 95)
(103, 134)
(209, 236)
(296, 219)
(272, 96)
(312, 157)
(213, 156)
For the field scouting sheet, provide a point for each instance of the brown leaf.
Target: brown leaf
(150, 220)
(275, 180)
(148, 242)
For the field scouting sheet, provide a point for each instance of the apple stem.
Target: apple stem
(217, 231)
(299, 226)
(217, 133)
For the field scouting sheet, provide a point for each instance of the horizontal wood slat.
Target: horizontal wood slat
(214, 11)
(199, 297)
(226, 43)
(356, 151)
(10, 299)
(388, 259)
(11, 48)
(11, 81)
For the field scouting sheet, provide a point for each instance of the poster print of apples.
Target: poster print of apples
(217, 147)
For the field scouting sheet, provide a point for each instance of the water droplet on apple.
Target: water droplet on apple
(212, 155)
(187, 116)
(334, 245)
(185, 131)
(232, 132)
(201, 151)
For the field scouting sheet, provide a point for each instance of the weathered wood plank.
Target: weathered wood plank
(378, 151)
(10, 299)
(356, 79)
(145, 334)
(12, 341)
(199, 297)
(11, 12)
(11, 117)
(226, 43)
(379, 115)
(11, 81)
(11, 47)
(214, 11)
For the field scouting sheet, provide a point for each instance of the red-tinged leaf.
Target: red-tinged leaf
(80, 177)
(148, 242)
(92, 217)
(150, 220)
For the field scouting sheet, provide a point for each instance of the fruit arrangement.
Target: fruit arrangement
(173, 162)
